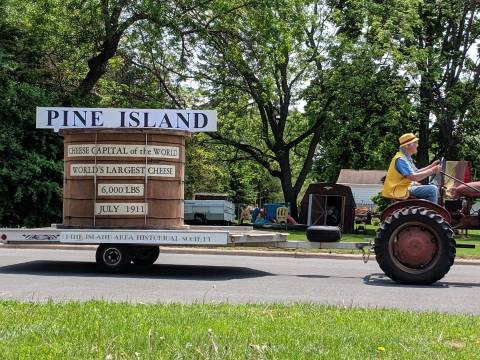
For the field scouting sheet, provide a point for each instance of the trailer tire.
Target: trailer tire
(113, 258)
(415, 246)
(145, 255)
(324, 233)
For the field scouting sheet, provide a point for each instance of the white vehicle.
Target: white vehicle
(204, 212)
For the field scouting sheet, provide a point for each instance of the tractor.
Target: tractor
(415, 242)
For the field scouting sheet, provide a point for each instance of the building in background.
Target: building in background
(364, 185)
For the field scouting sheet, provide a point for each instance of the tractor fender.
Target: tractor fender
(416, 203)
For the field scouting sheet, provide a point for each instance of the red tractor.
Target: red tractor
(415, 242)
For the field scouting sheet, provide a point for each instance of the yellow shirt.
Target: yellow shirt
(396, 185)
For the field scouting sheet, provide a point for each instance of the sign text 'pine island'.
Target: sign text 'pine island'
(105, 118)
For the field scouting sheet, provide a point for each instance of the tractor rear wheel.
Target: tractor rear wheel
(415, 245)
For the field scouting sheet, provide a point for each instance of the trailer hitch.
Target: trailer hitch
(367, 250)
(465, 246)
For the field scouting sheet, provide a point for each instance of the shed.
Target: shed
(364, 184)
(328, 204)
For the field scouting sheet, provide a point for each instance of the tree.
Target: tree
(82, 38)
(430, 42)
(44, 52)
(30, 161)
(253, 60)
(203, 171)
(370, 109)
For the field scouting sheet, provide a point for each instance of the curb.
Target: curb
(236, 252)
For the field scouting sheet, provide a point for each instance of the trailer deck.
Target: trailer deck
(193, 236)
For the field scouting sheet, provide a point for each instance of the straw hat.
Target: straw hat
(406, 139)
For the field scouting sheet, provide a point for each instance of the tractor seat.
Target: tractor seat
(410, 197)
(463, 190)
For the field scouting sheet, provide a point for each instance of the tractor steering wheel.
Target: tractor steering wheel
(441, 179)
(443, 164)
(437, 179)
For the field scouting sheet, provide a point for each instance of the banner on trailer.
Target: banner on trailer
(145, 237)
(107, 118)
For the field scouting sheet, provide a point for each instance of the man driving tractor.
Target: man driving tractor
(403, 176)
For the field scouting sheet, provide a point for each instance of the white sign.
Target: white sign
(38, 235)
(160, 237)
(121, 208)
(151, 151)
(103, 118)
(122, 170)
(120, 190)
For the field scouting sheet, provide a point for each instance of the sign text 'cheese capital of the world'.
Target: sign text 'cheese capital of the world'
(117, 150)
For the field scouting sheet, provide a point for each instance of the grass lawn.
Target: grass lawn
(100, 330)
(472, 238)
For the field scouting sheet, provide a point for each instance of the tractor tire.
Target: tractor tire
(145, 255)
(415, 246)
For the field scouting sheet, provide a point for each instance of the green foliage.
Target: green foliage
(380, 202)
(30, 160)
(203, 173)
(370, 109)
(470, 147)
(250, 183)
(433, 45)
(217, 168)
(366, 72)
(255, 60)
(405, 68)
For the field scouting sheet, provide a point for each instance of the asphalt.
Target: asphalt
(223, 251)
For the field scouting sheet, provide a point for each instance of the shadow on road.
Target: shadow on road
(312, 276)
(383, 280)
(156, 271)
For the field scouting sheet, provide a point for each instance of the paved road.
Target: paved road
(39, 275)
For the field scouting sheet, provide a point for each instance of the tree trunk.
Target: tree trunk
(98, 64)
(423, 120)
(448, 142)
(290, 196)
(289, 193)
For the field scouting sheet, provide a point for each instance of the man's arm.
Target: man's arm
(423, 173)
(413, 174)
(433, 164)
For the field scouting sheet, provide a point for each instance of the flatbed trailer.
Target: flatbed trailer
(117, 249)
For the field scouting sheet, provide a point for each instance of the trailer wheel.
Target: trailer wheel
(113, 258)
(145, 255)
(415, 245)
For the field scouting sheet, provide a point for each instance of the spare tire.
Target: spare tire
(324, 233)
